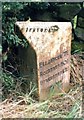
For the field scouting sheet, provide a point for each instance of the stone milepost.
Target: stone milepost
(51, 42)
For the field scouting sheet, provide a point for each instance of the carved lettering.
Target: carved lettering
(30, 29)
(57, 69)
(41, 29)
(51, 29)
(34, 30)
(54, 67)
(37, 29)
(55, 75)
(26, 29)
(41, 64)
(54, 28)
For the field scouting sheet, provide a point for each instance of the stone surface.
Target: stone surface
(45, 16)
(68, 11)
(81, 22)
(79, 33)
(48, 56)
(81, 13)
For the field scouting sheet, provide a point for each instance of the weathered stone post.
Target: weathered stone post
(48, 55)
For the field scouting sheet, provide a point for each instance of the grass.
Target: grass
(67, 105)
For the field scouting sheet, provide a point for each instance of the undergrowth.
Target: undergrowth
(17, 104)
